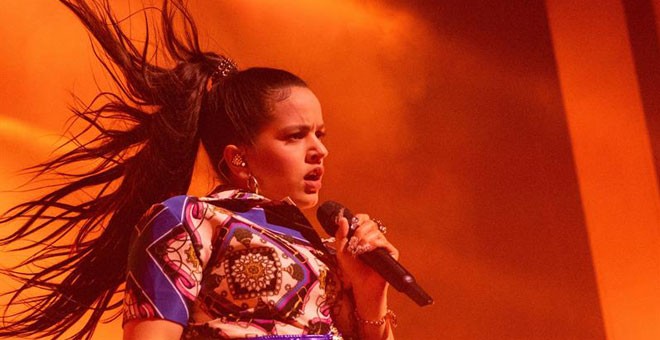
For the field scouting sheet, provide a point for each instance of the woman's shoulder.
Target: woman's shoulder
(225, 201)
(171, 208)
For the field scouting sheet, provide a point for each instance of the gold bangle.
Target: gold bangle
(389, 316)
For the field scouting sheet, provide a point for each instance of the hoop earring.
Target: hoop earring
(253, 184)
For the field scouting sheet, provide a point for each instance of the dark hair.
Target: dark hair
(243, 102)
(168, 111)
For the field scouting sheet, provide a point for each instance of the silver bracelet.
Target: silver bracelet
(389, 316)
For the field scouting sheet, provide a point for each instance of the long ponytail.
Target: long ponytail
(130, 169)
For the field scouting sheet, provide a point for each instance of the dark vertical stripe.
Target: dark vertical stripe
(641, 22)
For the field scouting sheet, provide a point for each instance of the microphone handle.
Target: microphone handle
(394, 273)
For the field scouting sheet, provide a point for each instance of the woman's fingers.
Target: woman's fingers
(366, 237)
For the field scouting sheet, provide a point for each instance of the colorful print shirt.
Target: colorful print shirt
(231, 265)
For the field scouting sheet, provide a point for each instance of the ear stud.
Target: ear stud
(237, 160)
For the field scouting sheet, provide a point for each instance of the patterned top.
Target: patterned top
(231, 265)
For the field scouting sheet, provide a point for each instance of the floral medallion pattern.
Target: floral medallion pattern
(253, 272)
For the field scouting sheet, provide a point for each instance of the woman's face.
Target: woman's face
(287, 155)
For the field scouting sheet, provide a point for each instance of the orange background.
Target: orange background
(503, 143)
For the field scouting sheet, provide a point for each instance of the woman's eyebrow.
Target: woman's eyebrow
(296, 128)
(301, 128)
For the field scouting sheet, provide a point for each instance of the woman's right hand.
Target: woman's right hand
(369, 288)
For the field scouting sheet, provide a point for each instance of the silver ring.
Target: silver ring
(381, 227)
(354, 223)
(352, 245)
(361, 249)
(355, 249)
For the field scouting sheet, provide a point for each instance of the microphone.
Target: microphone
(378, 259)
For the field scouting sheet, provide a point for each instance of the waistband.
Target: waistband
(298, 337)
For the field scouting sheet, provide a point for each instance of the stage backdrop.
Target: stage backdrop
(445, 120)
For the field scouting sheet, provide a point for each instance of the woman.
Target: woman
(240, 262)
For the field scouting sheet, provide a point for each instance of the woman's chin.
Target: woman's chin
(306, 201)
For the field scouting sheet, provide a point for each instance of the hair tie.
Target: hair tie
(225, 67)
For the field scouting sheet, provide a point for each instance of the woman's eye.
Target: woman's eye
(299, 135)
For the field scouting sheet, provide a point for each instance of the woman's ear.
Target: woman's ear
(235, 159)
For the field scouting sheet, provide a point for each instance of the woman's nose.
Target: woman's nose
(318, 152)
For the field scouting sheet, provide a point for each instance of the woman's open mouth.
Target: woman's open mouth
(313, 180)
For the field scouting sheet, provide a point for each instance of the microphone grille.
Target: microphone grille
(327, 215)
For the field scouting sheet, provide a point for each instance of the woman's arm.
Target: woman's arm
(151, 329)
(163, 253)
(369, 288)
